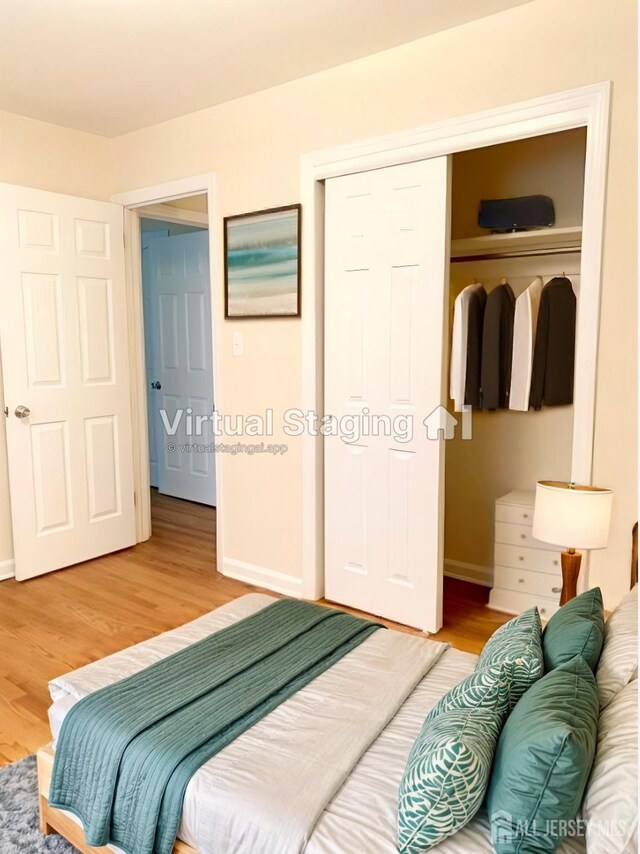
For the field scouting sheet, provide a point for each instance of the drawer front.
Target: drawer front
(537, 583)
(520, 535)
(515, 603)
(536, 560)
(519, 514)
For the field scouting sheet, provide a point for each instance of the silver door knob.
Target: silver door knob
(22, 411)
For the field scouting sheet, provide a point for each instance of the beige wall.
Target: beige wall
(37, 154)
(253, 144)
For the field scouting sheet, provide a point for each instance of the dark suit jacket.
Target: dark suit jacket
(554, 351)
(497, 347)
(477, 302)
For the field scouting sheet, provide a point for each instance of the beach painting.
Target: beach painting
(262, 263)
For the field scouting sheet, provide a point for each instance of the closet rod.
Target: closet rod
(565, 250)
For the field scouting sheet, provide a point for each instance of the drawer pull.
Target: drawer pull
(555, 563)
(521, 581)
(543, 610)
(520, 557)
(523, 536)
(525, 515)
(556, 589)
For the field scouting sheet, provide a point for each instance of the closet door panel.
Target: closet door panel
(386, 258)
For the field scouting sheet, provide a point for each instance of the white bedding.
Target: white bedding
(261, 794)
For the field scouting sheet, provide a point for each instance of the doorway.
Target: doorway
(176, 293)
(583, 108)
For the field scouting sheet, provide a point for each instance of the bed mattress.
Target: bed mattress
(230, 798)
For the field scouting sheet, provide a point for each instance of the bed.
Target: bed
(337, 749)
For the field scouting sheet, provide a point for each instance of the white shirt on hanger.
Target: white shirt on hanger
(524, 339)
(458, 365)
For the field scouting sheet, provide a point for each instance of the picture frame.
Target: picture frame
(262, 263)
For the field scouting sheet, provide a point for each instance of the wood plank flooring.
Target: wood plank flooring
(60, 621)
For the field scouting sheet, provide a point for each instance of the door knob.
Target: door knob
(156, 384)
(22, 411)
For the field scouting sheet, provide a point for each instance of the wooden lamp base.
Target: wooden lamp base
(570, 562)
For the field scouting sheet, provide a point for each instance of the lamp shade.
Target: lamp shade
(572, 516)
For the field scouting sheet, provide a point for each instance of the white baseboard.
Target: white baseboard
(7, 569)
(261, 576)
(473, 572)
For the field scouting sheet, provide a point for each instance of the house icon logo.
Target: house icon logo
(502, 830)
(442, 424)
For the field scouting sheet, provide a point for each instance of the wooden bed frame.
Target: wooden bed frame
(56, 821)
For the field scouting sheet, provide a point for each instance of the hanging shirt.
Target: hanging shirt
(554, 352)
(475, 321)
(458, 366)
(497, 347)
(524, 335)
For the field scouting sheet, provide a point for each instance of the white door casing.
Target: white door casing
(178, 269)
(386, 269)
(63, 332)
(151, 367)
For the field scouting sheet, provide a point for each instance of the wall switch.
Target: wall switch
(238, 344)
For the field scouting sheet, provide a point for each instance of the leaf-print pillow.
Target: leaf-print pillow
(517, 644)
(448, 769)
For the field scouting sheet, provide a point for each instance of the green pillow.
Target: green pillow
(518, 645)
(448, 769)
(543, 761)
(576, 629)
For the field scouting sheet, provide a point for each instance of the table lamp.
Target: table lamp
(572, 516)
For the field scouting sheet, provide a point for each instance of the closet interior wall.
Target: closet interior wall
(510, 450)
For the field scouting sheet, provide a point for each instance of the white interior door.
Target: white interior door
(63, 332)
(386, 267)
(180, 283)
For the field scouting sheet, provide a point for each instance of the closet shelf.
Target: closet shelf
(522, 242)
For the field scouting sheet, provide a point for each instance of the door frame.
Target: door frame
(587, 106)
(131, 202)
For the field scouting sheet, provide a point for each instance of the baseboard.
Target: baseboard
(473, 572)
(7, 569)
(261, 576)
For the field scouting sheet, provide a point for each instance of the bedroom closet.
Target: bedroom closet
(403, 505)
(490, 479)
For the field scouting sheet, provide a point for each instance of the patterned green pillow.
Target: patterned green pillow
(517, 643)
(448, 769)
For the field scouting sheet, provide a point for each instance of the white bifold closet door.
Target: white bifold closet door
(63, 332)
(386, 268)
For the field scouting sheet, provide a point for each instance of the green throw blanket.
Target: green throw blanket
(127, 752)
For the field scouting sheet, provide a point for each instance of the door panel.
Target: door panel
(179, 291)
(63, 333)
(386, 262)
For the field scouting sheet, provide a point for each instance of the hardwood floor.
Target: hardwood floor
(60, 621)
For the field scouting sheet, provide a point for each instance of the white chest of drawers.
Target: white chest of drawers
(526, 572)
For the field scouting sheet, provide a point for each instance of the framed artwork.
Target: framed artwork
(262, 263)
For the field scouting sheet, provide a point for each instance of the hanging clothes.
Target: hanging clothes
(458, 369)
(524, 335)
(475, 322)
(554, 352)
(497, 347)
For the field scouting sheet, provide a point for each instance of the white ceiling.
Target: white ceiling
(112, 66)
